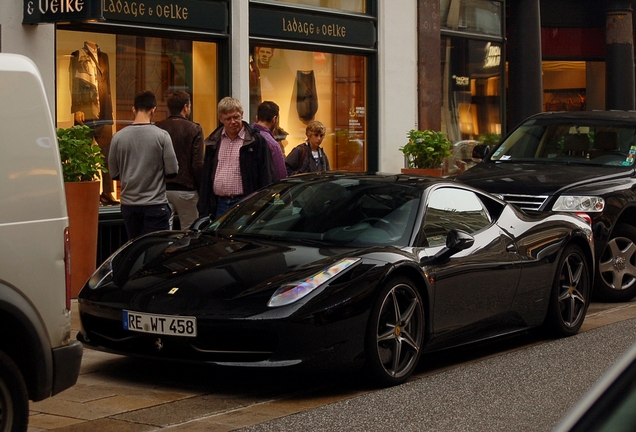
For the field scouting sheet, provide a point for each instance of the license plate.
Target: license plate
(160, 324)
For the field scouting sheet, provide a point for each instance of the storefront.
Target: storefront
(472, 47)
(315, 63)
(105, 56)
(573, 59)
(316, 59)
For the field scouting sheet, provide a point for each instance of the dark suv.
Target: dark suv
(575, 162)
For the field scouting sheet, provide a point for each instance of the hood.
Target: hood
(194, 272)
(536, 178)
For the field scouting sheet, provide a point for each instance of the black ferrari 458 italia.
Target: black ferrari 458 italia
(342, 270)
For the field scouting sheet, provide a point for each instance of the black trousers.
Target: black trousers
(145, 219)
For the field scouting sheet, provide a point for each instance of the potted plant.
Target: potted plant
(81, 165)
(81, 160)
(425, 152)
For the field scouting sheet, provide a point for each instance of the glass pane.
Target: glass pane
(340, 210)
(346, 5)
(477, 16)
(471, 99)
(563, 141)
(307, 85)
(564, 85)
(98, 76)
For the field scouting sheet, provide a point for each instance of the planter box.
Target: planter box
(431, 172)
(82, 203)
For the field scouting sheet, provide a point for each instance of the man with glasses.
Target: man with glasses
(237, 161)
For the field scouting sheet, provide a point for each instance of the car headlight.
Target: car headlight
(102, 273)
(294, 291)
(570, 203)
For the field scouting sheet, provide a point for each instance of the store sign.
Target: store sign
(50, 11)
(202, 15)
(461, 80)
(493, 56)
(305, 27)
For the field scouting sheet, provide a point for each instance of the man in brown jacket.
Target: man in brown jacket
(187, 140)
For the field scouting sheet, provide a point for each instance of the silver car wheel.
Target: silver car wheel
(617, 266)
(399, 331)
(573, 291)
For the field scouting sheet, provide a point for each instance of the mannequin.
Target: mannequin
(91, 102)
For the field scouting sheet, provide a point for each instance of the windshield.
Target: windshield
(337, 211)
(574, 142)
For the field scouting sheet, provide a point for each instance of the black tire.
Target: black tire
(570, 296)
(14, 400)
(396, 325)
(616, 269)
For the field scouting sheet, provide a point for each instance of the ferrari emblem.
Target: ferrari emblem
(397, 331)
(159, 344)
(173, 290)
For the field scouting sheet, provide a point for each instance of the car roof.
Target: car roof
(612, 115)
(420, 181)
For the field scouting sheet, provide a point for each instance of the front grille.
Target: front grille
(526, 202)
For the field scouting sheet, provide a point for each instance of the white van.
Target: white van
(37, 357)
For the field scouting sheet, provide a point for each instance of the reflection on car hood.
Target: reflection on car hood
(535, 178)
(195, 272)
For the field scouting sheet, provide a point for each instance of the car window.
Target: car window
(452, 208)
(341, 211)
(581, 142)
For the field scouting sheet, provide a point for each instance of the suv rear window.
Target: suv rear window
(570, 142)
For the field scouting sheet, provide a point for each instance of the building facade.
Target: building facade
(348, 63)
(369, 70)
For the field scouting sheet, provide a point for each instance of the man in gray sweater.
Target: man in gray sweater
(141, 157)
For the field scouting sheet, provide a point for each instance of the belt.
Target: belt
(230, 197)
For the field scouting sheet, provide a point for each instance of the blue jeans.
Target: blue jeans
(223, 204)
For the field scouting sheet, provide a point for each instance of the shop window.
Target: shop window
(476, 16)
(330, 88)
(471, 100)
(565, 86)
(99, 74)
(343, 5)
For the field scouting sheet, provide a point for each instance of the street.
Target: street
(520, 383)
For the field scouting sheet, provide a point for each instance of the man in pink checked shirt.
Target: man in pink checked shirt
(237, 162)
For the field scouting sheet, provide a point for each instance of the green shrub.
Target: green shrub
(81, 159)
(426, 149)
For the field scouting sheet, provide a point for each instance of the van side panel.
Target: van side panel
(31, 184)
(35, 324)
(32, 202)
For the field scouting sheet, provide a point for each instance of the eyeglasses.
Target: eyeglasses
(230, 119)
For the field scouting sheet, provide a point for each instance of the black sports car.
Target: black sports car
(341, 269)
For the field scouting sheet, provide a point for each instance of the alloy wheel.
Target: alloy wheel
(400, 331)
(573, 290)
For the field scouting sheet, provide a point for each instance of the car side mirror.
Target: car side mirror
(459, 240)
(456, 241)
(480, 151)
(200, 223)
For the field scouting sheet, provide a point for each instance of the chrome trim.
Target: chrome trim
(525, 202)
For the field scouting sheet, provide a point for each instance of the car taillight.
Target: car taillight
(586, 217)
(67, 267)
